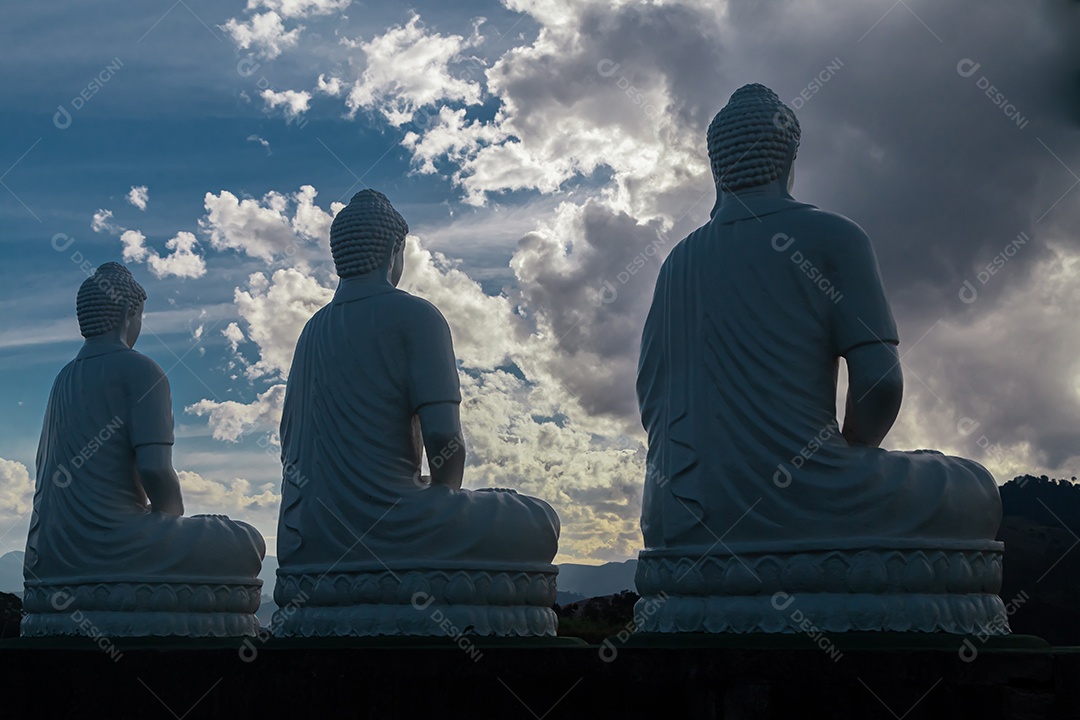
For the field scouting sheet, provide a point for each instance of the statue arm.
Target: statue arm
(875, 391)
(864, 333)
(151, 435)
(440, 424)
(434, 391)
(159, 479)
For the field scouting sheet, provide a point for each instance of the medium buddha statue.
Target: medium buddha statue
(367, 545)
(109, 551)
(759, 511)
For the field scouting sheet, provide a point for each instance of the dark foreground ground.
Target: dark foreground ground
(853, 676)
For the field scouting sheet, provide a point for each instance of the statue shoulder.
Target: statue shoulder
(415, 312)
(139, 368)
(832, 226)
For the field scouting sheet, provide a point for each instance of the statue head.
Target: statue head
(110, 299)
(752, 140)
(368, 235)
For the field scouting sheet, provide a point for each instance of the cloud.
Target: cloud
(239, 496)
(586, 281)
(264, 32)
(265, 143)
(299, 8)
(181, 261)
(16, 490)
(229, 420)
(234, 335)
(293, 103)
(408, 68)
(139, 196)
(1002, 382)
(134, 243)
(332, 86)
(102, 222)
(311, 222)
(264, 229)
(567, 108)
(484, 327)
(274, 311)
(450, 137)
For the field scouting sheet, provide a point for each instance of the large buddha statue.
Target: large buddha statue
(109, 552)
(366, 544)
(760, 513)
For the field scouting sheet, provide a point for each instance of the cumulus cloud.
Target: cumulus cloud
(182, 259)
(450, 137)
(237, 496)
(332, 86)
(234, 335)
(139, 196)
(409, 67)
(16, 490)
(293, 103)
(274, 228)
(102, 222)
(230, 420)
(134, 243)
(484, 327)
(586, 280)
(264, 32)
(274, 311)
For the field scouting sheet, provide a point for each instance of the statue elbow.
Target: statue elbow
(892, 384)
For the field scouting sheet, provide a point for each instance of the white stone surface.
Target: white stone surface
(752, 487)
(373, 384)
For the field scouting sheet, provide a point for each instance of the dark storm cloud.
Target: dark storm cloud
(946, 131)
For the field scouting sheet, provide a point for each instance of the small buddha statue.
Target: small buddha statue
(109, 551)
(367, 545)
(759, 510)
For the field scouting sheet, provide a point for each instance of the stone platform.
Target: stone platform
(119, 609)
(511, 600)
(860, 675)
(877, 585)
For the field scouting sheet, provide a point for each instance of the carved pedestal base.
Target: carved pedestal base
(131, 609)
(752, 588)
(501, 601)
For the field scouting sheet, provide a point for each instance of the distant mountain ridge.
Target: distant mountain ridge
(596, 580)
(11, 572)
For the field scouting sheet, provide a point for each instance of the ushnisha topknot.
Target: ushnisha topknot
(750, 138)
(103, 297)
(365, 233)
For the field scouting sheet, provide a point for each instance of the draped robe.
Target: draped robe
(90, 520)
(737, 390)
(352, 494)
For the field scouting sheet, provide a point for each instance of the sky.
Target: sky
(547, 156)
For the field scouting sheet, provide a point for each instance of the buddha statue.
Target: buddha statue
(760, 513)
(109, 551)
(367, 545)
